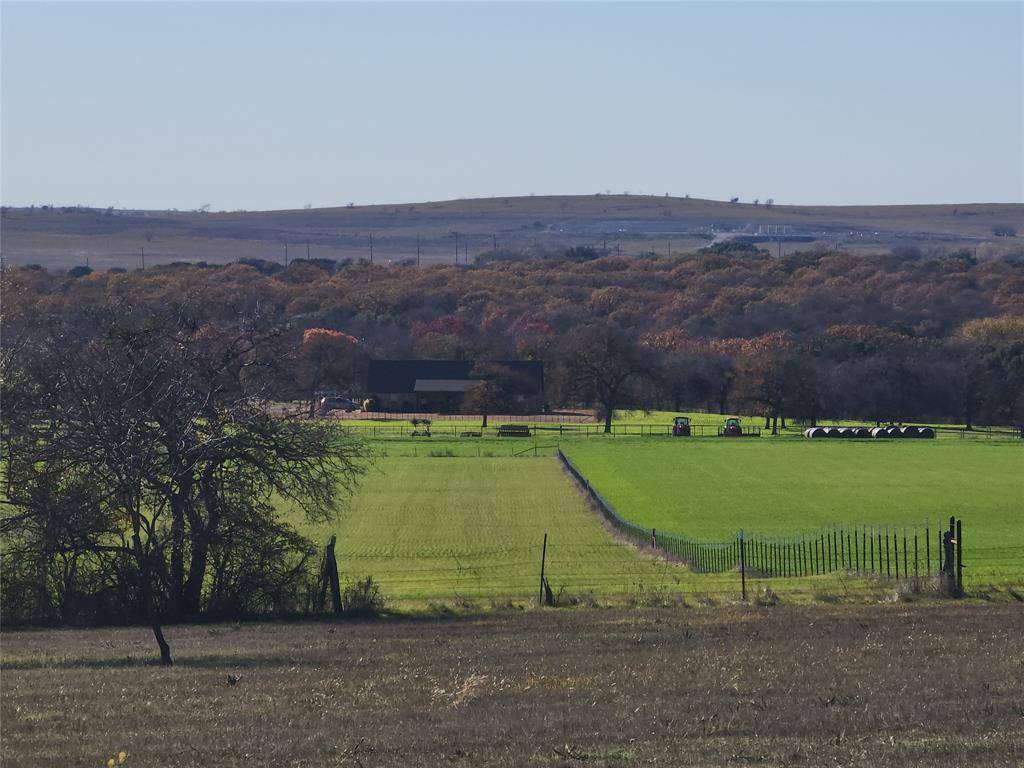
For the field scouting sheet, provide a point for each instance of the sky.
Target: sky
(245, 105)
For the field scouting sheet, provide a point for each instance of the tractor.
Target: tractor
(732, 428)
(681, 426)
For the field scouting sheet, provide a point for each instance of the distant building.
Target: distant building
(438, 386)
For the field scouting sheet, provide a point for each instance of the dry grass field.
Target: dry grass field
(61, 238)
(898, 685)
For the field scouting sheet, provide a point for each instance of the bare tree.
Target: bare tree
(604, 364)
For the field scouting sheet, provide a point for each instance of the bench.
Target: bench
(514, 430)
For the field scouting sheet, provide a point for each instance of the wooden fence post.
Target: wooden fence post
(959, 559)
(331, 574)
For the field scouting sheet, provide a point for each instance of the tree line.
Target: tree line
(811, 335)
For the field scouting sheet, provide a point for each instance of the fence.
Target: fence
(535, 418)
(455, 429)
(890, 552)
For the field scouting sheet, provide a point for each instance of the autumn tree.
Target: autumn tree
(606, 365)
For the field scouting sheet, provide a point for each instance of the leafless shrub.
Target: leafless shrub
(656, 597)
(565, 599)
(363, 597)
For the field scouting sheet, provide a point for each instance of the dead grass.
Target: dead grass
(899, 684)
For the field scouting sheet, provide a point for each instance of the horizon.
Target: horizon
(760, 204)
(283, 106)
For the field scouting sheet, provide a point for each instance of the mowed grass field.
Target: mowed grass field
(712, 488)
(438, 528)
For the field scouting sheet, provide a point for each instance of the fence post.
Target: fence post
(888, 560)
(880, 551)
(916, 573)
(331, 568)
(543, 559)
(927, 549)
(856, 552)
(863, 549)
(959, 560)
(743, 566)
(906, 573)
(896, 551)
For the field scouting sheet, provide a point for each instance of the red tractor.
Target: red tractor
(681, 426)
(732, 428)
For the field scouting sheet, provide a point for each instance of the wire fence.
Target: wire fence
(859, 561)
(576, 572)
(890, 552)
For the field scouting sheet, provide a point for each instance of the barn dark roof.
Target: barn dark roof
(401, 376)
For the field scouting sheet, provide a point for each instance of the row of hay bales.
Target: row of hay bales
(864, 432)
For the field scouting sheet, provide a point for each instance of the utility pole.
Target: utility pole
(307, 250)
(142, 253)
(456, 247)
(286, 254)
(494, 239)
(371, 247)
(417, 249)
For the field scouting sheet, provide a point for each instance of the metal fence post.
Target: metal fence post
(543, 559)
(743, 567)
(927, 549)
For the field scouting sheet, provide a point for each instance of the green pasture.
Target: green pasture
(712, 488)
(449, 527)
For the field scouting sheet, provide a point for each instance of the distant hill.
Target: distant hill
(60, 238)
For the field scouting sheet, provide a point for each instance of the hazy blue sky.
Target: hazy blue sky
(272, 105)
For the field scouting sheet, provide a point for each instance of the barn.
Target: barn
(439, 386)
